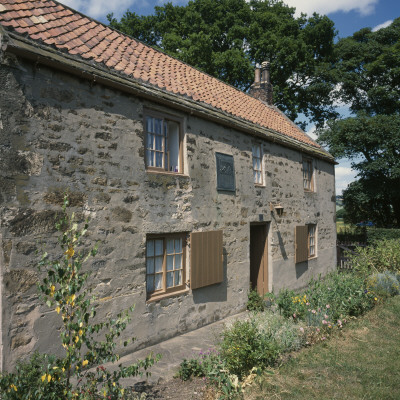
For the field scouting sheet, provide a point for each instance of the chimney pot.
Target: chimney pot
(261, 89)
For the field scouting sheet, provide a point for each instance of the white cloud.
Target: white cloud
(344, 176)
(382, 25)
(311, 132)
(98, 9)
(363, 7)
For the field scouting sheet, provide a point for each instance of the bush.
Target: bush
(377, 234)
(383, 255)
(244, 346)
(255, 301)
(287, 334)
(384, 284)
(27, 381)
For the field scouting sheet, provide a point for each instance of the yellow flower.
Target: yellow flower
(48, 378)
(44, 377)
(376, 299)
(76, 339)
(58, 309)
(80, 333)
(52, 289)
(14, 387)
(70, 252)
(113, 383)
(80, 325)
(85, 362)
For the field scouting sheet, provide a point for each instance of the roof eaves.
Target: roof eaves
(24, 47)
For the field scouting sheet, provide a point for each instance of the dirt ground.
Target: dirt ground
(176, 389)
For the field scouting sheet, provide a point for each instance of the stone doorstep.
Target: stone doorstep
(174, 350)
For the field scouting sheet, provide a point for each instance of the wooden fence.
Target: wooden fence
(343, 250)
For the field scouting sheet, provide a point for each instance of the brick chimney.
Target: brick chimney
(261, 89)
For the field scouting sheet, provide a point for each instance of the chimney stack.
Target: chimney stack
(261, 89)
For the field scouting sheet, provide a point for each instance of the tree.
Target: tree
(373, 143)
(226, 38)
(368, 69)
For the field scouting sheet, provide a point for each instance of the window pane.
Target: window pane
(150, 248)
(149, 124)
(258, 177)
(159, 160)
(150, 141)
(170, 246)
(150, 283)
(158, 283)
(178, 245)
(178, 278)
(150, 158)
(159, 143)
(150, 265)
(170, 263)
(157, 126)
(178, 261)
(159, 247)
(158, 263)
(170, 279)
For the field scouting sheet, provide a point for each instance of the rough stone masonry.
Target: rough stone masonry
(61, 133)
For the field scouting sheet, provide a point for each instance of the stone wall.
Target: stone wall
(60, 133)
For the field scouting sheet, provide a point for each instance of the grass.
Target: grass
(363, 362)
(340, 225)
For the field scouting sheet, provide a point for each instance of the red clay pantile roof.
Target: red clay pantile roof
(56, 25)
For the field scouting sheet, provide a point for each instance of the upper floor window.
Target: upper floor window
(257, 164)
(308, 174)
(163, 144)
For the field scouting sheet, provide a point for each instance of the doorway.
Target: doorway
(259, 258)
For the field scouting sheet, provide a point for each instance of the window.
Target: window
(308, 173)
(163, 144)
(305, 242)
(257, 164)
(165, 264)
(312, 230)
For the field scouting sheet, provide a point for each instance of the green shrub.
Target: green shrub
(352, 235)
(27, 381)
(384, 284)
(244, 346)
(377, 234)
(255, 301)
(287, 334)
(383, 255)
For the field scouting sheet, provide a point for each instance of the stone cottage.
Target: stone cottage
(195, 190)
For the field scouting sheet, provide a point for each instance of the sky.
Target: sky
(349, 16)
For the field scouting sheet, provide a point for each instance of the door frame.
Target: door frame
(260, 262)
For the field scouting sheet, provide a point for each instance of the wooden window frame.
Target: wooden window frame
(308, 175)
(165, 118)
(164, 291)
(261, 171)
(312, 241)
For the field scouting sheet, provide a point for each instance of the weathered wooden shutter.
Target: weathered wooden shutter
(301, 244)
(206, 267)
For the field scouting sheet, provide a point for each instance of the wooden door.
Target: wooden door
(259, 258)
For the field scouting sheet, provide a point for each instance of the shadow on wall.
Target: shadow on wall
(216, 292)
(301, 268)
(281, 245)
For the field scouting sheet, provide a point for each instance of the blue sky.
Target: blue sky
(349, 16)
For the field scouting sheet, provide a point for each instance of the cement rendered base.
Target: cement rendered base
(174, 350)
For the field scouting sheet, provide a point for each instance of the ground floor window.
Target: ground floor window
(165, 263)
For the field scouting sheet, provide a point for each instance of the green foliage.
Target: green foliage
(352, 235)
(384, 284)
(243, 347)
(26, 382)
(339, 295)
(255, 301)
(225, 38)
(381, 256)
(377, 234)
(286, 333)
(79, 373)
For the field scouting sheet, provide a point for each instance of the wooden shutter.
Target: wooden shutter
(301, 244)
(206, 267)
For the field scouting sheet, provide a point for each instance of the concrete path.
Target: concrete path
(176, 349)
